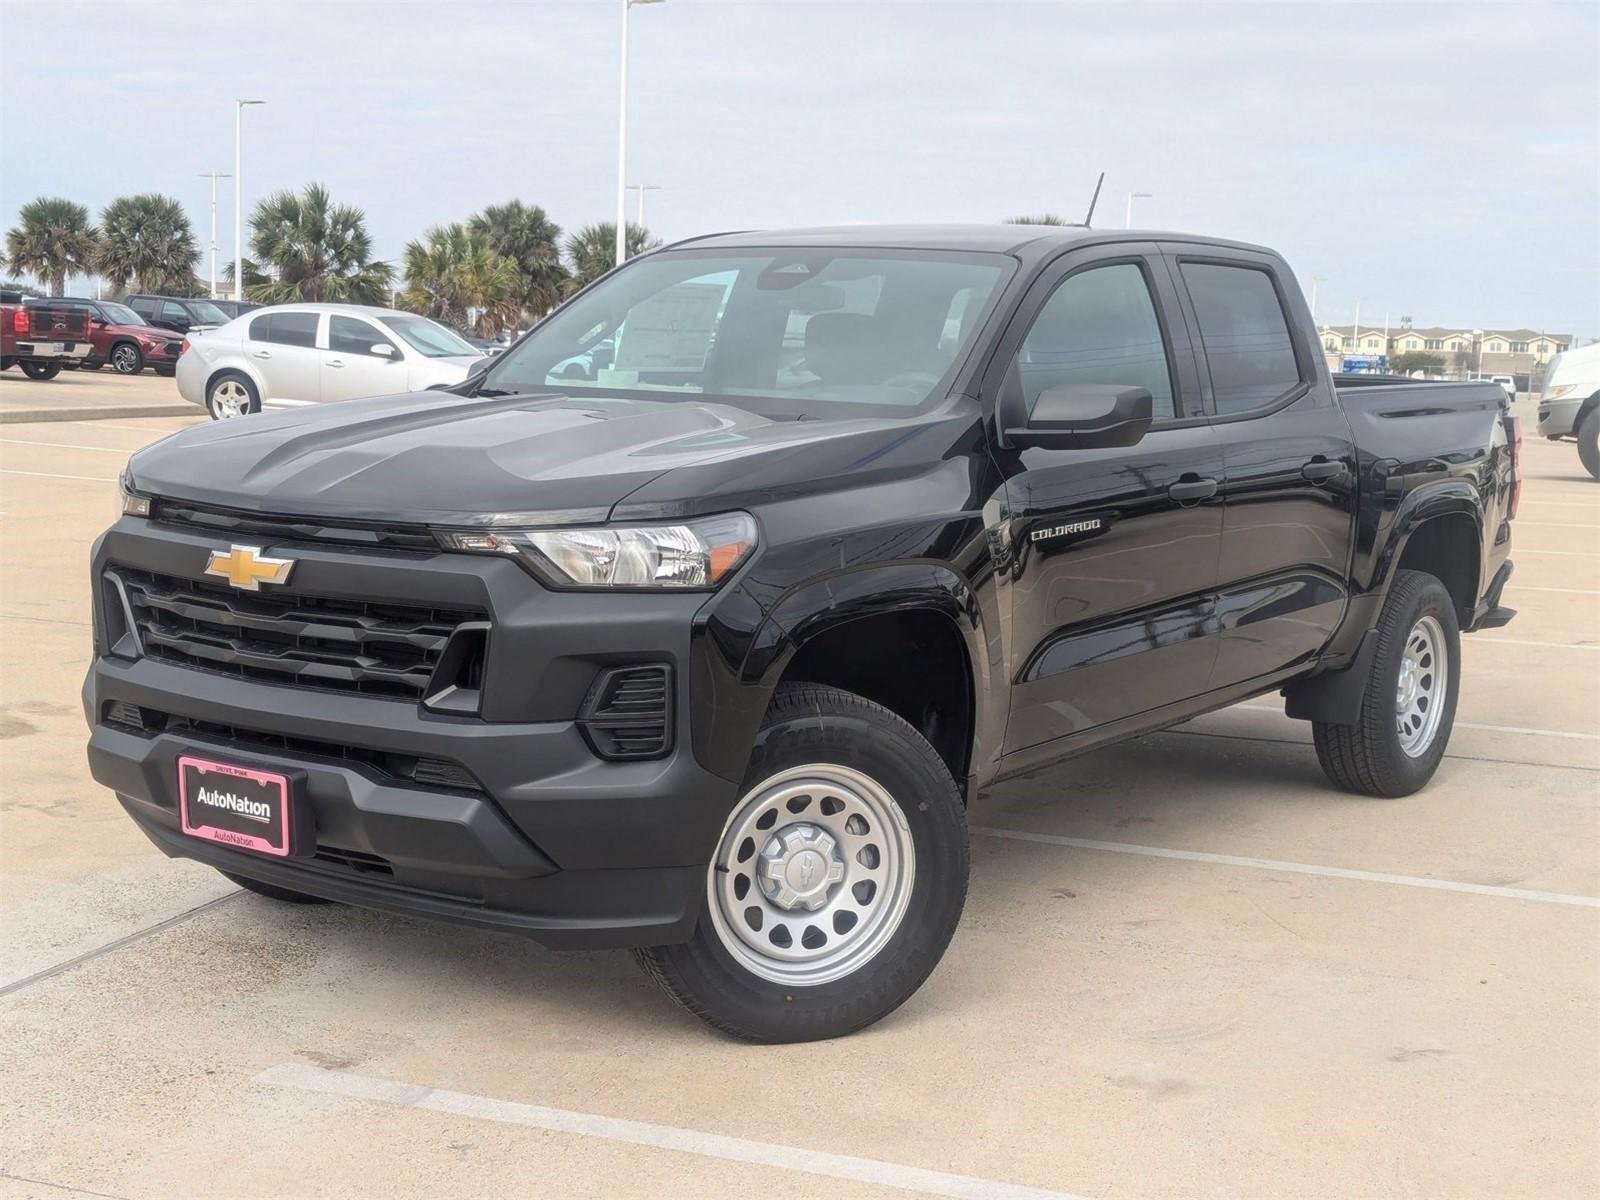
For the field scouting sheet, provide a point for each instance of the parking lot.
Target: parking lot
(1187, 966)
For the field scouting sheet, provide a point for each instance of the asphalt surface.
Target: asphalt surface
(1187, 966)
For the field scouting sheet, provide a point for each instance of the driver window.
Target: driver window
(1099, 326)
(349, 335)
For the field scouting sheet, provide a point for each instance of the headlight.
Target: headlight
(695, 554)
(133, 504)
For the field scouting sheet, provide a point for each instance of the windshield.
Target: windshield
(207, 313)
(810, 329)
(121, 314)
(428, 338)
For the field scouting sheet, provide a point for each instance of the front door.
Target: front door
(1111, 554)
(352, 367)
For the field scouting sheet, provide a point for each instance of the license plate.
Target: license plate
(237, 806)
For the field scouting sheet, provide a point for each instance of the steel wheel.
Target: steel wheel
(1419, 694)
(229, 399)
(125, 360)
(812, 875)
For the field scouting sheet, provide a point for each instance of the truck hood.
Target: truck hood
(437, 458)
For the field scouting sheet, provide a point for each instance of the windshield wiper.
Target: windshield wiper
(489, 391)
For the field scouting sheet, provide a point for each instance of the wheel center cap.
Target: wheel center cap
(1408, 685)
(799, 866)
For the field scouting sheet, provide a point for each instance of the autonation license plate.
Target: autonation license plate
(238, 806)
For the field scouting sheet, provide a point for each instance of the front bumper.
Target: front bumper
(545, 838)
(1559, 418)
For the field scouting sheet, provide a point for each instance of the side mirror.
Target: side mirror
(1080, 416)
(384, 350)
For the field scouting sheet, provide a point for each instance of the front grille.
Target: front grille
(628, 713)
(387, 650)
(358, 861)
(407, 770)
(274, 528)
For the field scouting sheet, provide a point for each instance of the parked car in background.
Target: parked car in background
(235, 308)
(314, 353)
(1569, 405)
(120, 337)
(42, 338)
(181, 314)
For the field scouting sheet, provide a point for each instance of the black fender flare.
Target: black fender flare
(824, 603)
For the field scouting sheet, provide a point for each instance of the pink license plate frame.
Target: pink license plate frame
(196, 825)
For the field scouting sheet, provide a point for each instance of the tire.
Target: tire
(126, 359)
(273, 892)
(231, 395)
(861, 794)
(90, 366)
(40, 370)
(1589, 443)
(1395, 746)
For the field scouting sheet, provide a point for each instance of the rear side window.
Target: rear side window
(145, 308)
(173, 312)
(285, 328)
(1245, 335)
(1099, 326)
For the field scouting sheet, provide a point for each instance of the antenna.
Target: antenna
(1088, 220)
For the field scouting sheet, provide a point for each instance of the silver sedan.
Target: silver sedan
(296, 354)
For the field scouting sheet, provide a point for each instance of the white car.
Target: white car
(295, 354)
(1569, 406)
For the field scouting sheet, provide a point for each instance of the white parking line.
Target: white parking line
(1521, 550)
(48, 475)
(1294, 868)
(64, 446)
(303, 1077)
(1555, 733)
(1556, 524)
(1493, 641)
(1528, 587)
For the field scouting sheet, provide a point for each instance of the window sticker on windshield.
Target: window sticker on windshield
(670, 331)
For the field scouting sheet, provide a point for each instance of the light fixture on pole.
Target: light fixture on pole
(1127, 220)
(622, 138)
(642, 188)
(238, 191)
(214, 176)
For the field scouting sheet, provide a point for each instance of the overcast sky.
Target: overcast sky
(1440, 161)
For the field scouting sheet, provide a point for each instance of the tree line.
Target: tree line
(501, 268)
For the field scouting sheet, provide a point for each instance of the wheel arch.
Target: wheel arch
(1439, 531)
(857, 630)
(234, 368)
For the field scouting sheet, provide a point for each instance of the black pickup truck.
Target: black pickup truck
(693, 623)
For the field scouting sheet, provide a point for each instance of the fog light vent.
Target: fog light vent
(628, 713)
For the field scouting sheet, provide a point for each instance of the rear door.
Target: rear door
(1110, 554)
(351, 368)
(1289, 465)
(282, 346)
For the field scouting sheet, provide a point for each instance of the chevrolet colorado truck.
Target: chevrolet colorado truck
(42, 337)
(703, 649)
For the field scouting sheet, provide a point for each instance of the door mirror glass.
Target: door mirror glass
(1076, 416)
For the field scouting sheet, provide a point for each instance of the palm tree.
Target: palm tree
(453, 272)
(314, 249)
(592, 251)
(147, 239)
(53, 241)
(1041, 219)
(532, 242)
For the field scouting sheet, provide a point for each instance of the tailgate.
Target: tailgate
(58, 324)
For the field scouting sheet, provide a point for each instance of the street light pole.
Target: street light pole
(214, 176)
(642, 188)
(1315, 279)
(1127, 218)
(622, 139)
(238, 190)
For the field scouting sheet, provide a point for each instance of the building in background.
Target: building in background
(1460, 353)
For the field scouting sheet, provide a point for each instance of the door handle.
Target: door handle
(333, 362)
(1319, 469)
(1192, 490)
(260, 354)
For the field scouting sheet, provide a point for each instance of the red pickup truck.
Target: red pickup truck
(41, 338)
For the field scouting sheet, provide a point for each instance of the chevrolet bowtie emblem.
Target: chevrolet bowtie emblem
(247, 568)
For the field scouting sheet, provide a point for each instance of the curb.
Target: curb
(116, 412)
